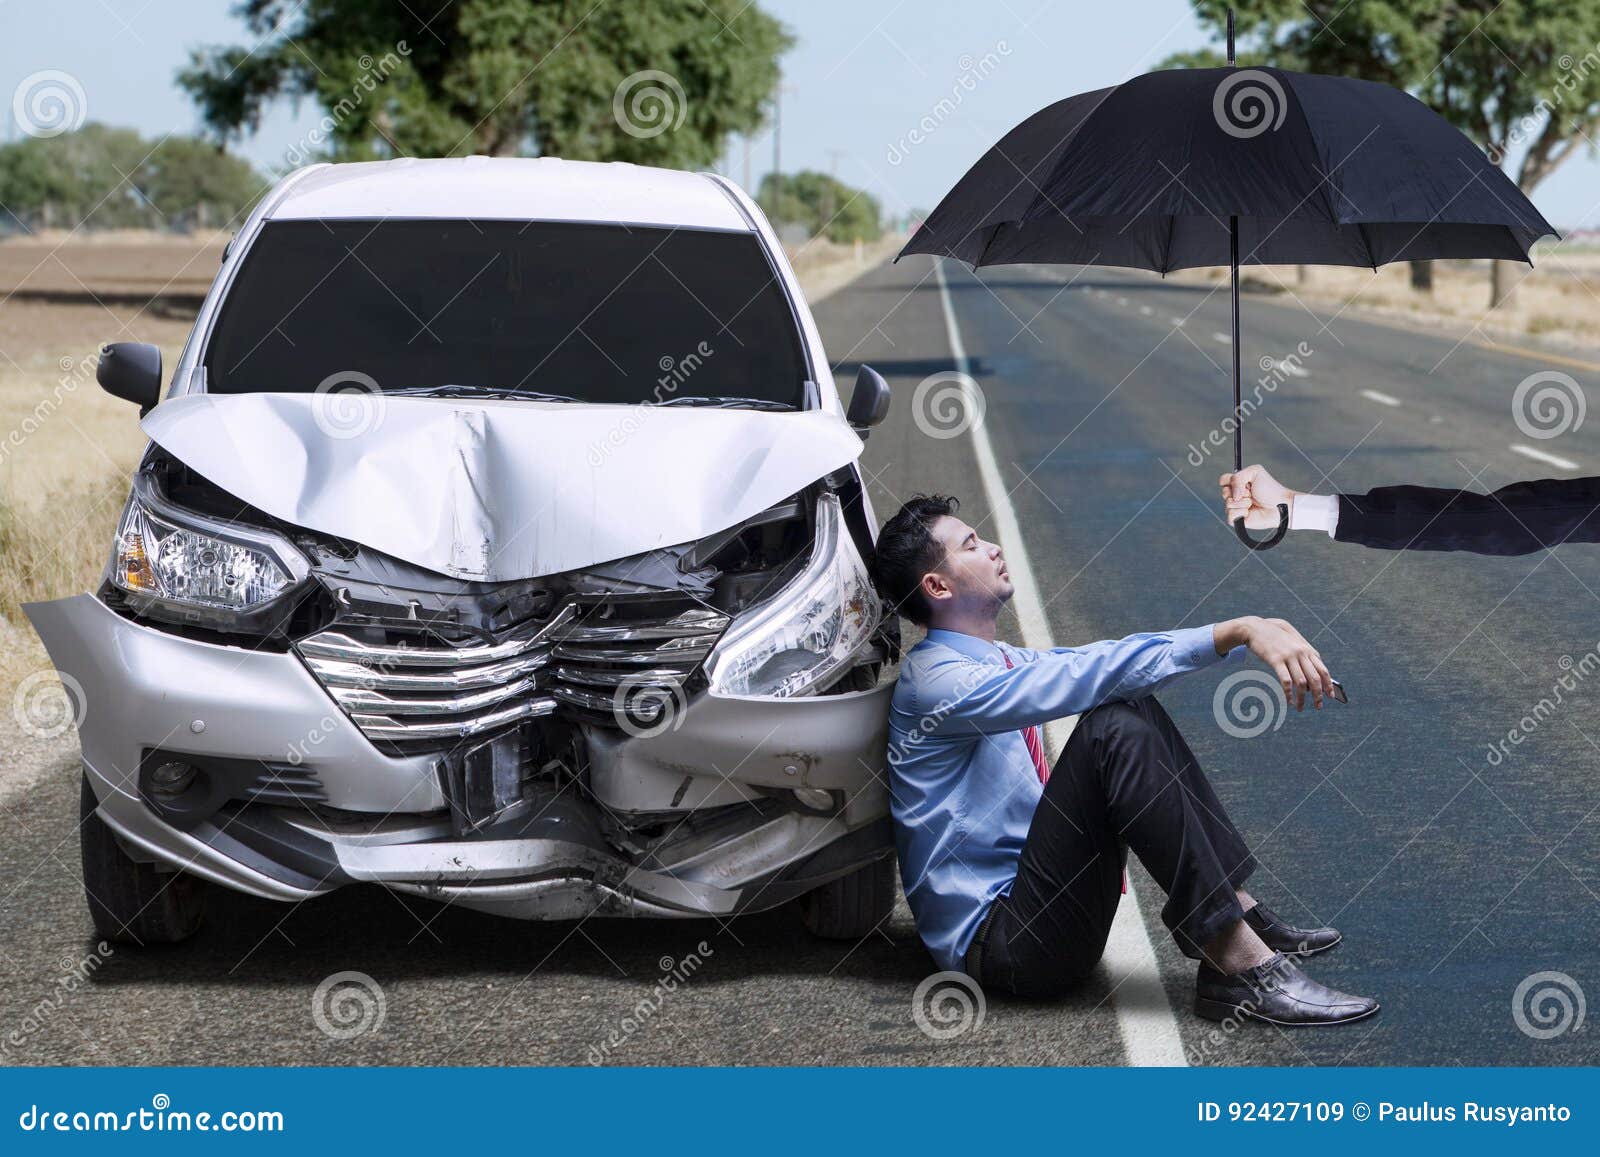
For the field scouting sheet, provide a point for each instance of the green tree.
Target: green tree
(664, 82)
(192, 183)
(1521, 77)
(102, 178)
(821, 204)
(74, 178)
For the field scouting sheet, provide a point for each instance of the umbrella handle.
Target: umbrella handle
(1264, 543)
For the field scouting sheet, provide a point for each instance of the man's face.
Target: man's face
(971, 577)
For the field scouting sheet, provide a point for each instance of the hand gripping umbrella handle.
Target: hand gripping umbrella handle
(1264, 543)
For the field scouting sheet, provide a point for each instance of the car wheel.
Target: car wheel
(130, 902)
(851, 906)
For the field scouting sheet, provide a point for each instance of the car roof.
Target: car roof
(509, 188)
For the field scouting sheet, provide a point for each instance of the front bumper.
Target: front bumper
(144, 688)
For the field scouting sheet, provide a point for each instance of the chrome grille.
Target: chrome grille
(582, 658)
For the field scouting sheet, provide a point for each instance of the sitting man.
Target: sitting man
(1013, 869)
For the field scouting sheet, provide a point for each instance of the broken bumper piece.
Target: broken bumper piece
(307, 803)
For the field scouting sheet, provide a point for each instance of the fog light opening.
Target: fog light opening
(814, 798)
(171, 779)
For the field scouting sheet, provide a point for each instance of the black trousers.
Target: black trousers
(1126, 779)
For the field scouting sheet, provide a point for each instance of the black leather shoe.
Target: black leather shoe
(1276, 992)
(1282, 937)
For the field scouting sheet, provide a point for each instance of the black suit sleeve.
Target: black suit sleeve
(1516, 519)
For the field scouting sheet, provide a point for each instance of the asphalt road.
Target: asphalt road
(1454, 878)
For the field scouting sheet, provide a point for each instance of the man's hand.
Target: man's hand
(1277, 644)
(1253, 494)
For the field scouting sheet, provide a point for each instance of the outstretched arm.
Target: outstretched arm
(1520, 518)
(1516, 519)
(963, 697)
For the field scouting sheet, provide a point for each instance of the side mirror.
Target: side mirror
(869, 403)
(131, 370)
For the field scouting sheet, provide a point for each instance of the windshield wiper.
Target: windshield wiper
(727, 403)
(459, 391)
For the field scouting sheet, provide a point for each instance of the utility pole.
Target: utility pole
(777, 152)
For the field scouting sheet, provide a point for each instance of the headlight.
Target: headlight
(207, 570)
(811, 630)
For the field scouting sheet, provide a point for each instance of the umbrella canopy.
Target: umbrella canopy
(1319, 170)
(1212, 166)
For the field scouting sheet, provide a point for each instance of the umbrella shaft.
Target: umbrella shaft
(1238, 418)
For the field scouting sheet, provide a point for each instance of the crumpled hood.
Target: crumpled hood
(499, 490)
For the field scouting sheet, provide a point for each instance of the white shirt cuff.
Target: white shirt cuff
(1314, 512)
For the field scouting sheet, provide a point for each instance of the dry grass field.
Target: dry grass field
(66, 447)
(1556, 301)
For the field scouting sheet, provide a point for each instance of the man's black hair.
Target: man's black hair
(907, 550)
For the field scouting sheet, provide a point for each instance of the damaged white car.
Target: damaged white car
(500, 540)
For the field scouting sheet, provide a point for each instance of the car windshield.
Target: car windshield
(595, 313)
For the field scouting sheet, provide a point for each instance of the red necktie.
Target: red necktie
(1030, 736)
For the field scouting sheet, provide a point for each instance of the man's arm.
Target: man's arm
(963, 698)
(1517, 519)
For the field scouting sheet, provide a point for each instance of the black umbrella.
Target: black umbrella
(1206, 166)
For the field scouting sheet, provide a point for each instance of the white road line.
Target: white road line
(1225, 339)
(1179, 322)
(1541, 456)
(1287, 368)
(1146, 310)
(1383, 399)
(1149, 1028)
(1122, 301)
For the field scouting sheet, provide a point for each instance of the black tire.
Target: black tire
(851, 906)
(130, 902)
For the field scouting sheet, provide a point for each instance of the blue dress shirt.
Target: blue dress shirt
(962, 785)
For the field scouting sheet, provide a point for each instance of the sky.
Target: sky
(862, 87)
